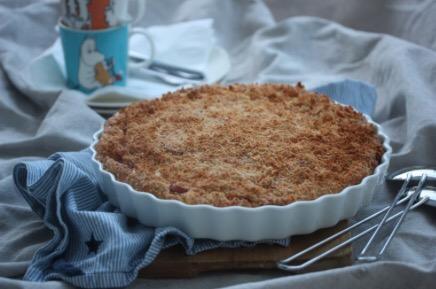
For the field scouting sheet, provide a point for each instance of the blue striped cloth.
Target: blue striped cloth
(358, 94)
(94, 245)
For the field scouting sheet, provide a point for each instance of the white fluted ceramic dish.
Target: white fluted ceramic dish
(242, 223)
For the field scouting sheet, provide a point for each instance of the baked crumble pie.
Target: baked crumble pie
(243, 144)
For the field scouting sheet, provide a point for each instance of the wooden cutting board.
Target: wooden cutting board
(174, 263)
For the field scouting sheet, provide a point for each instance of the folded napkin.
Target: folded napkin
(186, 44)
(94, 245)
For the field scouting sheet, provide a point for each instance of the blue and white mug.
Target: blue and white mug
(98, 58)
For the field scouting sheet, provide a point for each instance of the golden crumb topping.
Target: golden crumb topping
(243, 144)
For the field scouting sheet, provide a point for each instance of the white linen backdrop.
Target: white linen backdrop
(34, 125)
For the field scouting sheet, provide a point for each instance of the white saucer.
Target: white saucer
(48, 76)
(114, 98)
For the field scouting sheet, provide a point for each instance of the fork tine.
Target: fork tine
(383, 221)
(405, 212)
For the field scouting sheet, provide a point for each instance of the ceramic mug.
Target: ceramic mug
(98, 58)
(99, 14)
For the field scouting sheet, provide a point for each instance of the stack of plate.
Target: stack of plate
(47, 75)
(108, 100)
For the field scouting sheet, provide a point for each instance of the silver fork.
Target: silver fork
(415, 197)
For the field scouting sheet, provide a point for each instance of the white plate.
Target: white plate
(242, 223)
(117, 97)
(47, 75)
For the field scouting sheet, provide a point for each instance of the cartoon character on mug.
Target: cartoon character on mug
(92, 14)
(94, 70)
(77, 15)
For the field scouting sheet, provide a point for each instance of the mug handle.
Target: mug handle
(145, 62)
(140, 9)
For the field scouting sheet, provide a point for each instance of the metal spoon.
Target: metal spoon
(171, 74)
